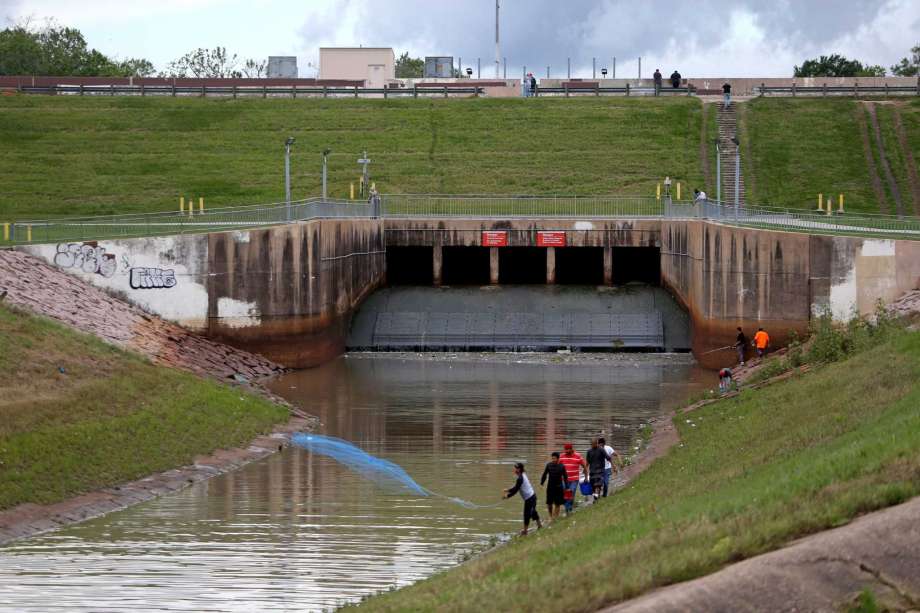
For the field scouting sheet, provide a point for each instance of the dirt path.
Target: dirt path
(823, 572)
(883, 159)
(912, 175)
(874, 177)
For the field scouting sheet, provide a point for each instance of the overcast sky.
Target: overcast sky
(700, 38)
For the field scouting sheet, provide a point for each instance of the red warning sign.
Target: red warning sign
(494, 238)
(551, 239)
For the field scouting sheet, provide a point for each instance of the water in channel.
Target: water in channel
(297, 532)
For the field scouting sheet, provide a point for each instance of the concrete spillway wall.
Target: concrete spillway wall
(286, 292)
(728, 277)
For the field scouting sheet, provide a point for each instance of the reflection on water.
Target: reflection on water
(297, 532)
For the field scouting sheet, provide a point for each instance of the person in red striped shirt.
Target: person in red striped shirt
(573, 463)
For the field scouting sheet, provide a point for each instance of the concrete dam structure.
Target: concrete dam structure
(290, 291)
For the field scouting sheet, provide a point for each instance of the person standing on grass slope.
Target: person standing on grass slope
(608, 463)
(741, 342)
(522, 485)
(597, 459)
(573, 464)
(761, 342)
(725, 380)
(555, 488)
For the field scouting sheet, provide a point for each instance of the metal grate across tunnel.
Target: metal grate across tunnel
(432, 331)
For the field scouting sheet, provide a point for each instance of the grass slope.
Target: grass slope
(110, 417)
(67, 155)
(802, 147)
(752, 473)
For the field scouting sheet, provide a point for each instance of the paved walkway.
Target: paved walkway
(823, 572)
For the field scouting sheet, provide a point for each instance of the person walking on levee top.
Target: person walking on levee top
(556, 486)
(573, 463)
(657, 79)
(522, 485)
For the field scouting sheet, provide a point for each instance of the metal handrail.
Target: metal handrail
(467, 206)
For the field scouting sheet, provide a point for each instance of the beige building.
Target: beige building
(374, 65)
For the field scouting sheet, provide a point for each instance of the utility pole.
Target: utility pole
(568, 72)
(640, 66)
(593, 67)
(737, 171)
(614, 75)
(718, 171)
(326, 153)
(287, 174)
(478, 68)
(498, 53)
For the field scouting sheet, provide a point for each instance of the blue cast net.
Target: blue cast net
(377, 470)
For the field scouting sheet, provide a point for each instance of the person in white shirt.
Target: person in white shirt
(522, 485)
(700, 196)
(608, 465)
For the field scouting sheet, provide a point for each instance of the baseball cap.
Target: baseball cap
(567, 446)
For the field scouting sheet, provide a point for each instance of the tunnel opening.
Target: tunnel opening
(522, 265)
(637, 264)
(464, 265)
(580, 266)
(410, 266)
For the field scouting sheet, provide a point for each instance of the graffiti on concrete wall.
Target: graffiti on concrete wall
(152, 278)
(88, 257)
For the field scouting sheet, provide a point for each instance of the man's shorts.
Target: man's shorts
(555, 496)
(597, 480)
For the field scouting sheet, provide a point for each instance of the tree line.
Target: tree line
(59, 51)
(55, 50)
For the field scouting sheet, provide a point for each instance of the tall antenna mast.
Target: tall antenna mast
(498, 55)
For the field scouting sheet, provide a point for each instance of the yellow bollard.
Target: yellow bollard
(841, 203)
(820, 202)
(28, 234)
(191, 206)
(678, 190)
(181, 204)
(201, 205)
(658, 191)
(351, 191)
(830, 206)
(6, 231)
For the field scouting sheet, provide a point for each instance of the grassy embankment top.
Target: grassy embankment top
(794, 148)
(77, 414)
(85, 156)
(752, 473)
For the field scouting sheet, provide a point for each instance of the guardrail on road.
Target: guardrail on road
(838, 90)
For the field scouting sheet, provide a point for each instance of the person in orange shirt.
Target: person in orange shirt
(761, 342)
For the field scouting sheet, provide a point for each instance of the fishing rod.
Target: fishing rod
(719, 349)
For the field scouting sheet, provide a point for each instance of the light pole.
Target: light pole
(718, 172)
(287, 174)
(737, 170)
(326, 153)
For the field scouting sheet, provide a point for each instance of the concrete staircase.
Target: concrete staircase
(728, 127)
